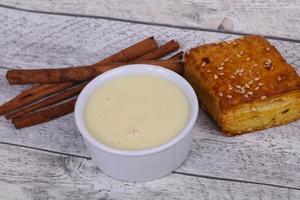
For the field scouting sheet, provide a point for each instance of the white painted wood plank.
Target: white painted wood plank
(34, 40)
(31, 174)
(274, 17)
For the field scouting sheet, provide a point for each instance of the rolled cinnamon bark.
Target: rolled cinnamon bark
(48, 101)
(32, 95)
(73, 74)
(161, 51)
(45, 115)
(132, 52)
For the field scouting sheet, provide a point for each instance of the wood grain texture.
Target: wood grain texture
(31, 174)
(273, 17)
(39, 40)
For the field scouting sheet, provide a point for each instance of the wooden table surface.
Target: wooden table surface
(49, 161)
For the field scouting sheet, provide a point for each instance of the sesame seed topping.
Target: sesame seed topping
(279, 78)
(253, 109)
(248, 59)
(222, 64)
(238, 55)
(250, 93)
(260, 84)
(257, 88)
(203, 64)
(255, 65)
(268, 49)
(237, 71)
(263, 97)
(242, 70)
(268, 64)
(229, 87)
(243, 91)
(250, 82)
(247, 85)
(241, 52)
(226, 60)
(220, 68)
(220, 94)
(216, 76)
(234, 43)
(246, 96)
(229, 96)
(208, 71)
(238, 86)
(257, 79)
(232, 76)
(221, 73)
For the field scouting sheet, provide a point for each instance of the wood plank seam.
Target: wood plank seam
(147, 23)
(174, 172)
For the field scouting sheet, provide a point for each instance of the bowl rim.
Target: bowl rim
(132, 69)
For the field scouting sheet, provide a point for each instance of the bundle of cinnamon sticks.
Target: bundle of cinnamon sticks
(55, 91)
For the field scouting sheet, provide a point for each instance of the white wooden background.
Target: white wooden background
(49, 161)
(280, 18)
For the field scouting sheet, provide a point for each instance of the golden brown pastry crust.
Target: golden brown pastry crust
(248, 70)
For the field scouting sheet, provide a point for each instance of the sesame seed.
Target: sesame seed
(247, 85)
(234, 43)
(220, 94)
(250, 93)
(279, 78)
(248, 59)
(238, 86)
(250, 82)
(220, 68)
(226, 60)
(257, 79)
(238, 55)
(242, 70)
(222, 64)
(203, 64)
(208, 71)
(229, 87)
(253, 109)
(268, 64)
(257, 88)
(241, 74)
(229, 96)
(232, 76)
(260, 84)
(268, 49)
(237, 71)
(246, 96)
(216, 76)
(263, 97)
(221, 73)
(255, 65)
(241, 52)
(243, 91)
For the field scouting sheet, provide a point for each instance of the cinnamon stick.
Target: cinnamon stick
(33, 94)
(161, 51)
(45, 115)
(48, 101)
(132, 52)
(70, 74)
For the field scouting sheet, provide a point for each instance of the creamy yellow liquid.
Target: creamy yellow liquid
(136, 112)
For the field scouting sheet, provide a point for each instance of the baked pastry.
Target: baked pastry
(244, 84)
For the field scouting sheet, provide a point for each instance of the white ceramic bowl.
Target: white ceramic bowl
(138, 165)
